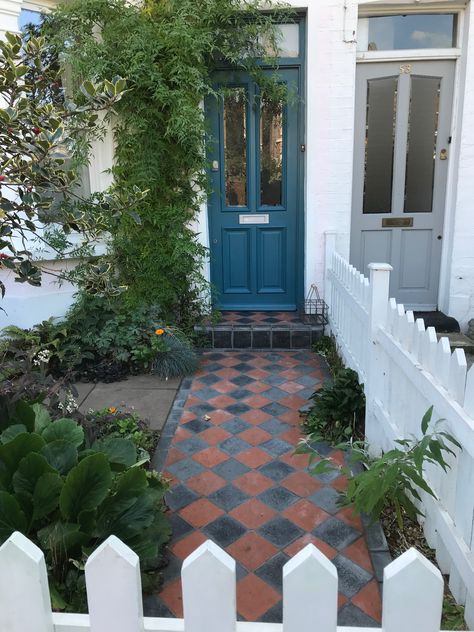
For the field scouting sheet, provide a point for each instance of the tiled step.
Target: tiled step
(260, 336)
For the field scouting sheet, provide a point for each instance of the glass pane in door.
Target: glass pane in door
(271, 152)
(379, 144)
(421, 145)
(235, 147)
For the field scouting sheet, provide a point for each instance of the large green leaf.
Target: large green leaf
(86, 486)
(61, 537)
(12, 452)
(121, 453)
(64, 430)
(62, 455)
(25, 414)
(30, 469)
(11, 432)
(46, 495)
(12, 517)
(130, 485)
(42, 417)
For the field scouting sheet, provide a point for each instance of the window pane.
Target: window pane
(421, 148)
(235, 147)
(396, 32)
(288, 40)
(271, 152)
(28, 17)
(379, 144)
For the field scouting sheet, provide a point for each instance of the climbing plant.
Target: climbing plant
(167, 50)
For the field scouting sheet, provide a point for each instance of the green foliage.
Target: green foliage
(338, 410)
(168, 50)
(326, 347)
(44, 137)
(394, 480)
(453, 615)
(68, 495)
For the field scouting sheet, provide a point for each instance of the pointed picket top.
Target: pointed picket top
(412, 594)
(25, 604)
(309, 578)
(391, 314)
(417, 342)
(443, 362)
(114, 591)
(469, 393)
(398, 323)
(209, 590)
(430, 344)
(457, 375)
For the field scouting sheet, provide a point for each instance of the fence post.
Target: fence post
(330, 237)
(378, 306)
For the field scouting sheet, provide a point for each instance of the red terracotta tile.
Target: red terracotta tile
(258, 387)
(293, 401)
(197, 385)
(299, 461)
(291, 417)
(255, 597)
(253, 513)
(213, 436)
(170, 478)
(200, 513)
(337, 457)
(187, 416)
(291, 387)
(255, 416)
(347, 514)
(302, 484)
(252, 551)
(224, 386)
(193, 401)
(227, 373)
(174, 456)
(254, 457)
(292, 436)
(309, 538)
(210, 457)
(290, 374)
(258, 374)
(340, 483)
(229, 362)
(259, 363)
(359, 553)
(187, 545)
(172, 596)
(221, 401)
(205, 483)
(219, 416)
(341, 600)
(368, 600)
(257, 401)
(253, 483)
(255, 436)
(306, 515)
(181, 434)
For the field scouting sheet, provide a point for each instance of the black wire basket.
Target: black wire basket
(314, 311)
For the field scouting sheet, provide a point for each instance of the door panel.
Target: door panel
(254, 156)
(401, 146)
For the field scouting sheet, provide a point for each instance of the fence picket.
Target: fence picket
(469, 392)
(113, 571)
(443, 362)
(309, 578)
(430, 345)
(412, 595)
(25, 604)
(417, 343)
(457, 376)
(209, 590)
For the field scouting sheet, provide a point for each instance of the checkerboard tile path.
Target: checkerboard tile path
(260, 318)
(237, 481)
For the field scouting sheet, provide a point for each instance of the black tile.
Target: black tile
(186, 468)
(242, 339)
(352, 577)
(336, 533)
(352, 616)
(278, 498)
(231, 469)
(222, 338)
(215, 356)
(234, 445)
(380, 559)
(275, 426)
(200, 410)
(236, 425)
(172, 568)
(154, 607)
(206, 393)
(261, 339)
(244, 356)
(276, 447)
(179, 527)
(241, 393)
(300, 339)
(209, 379)
(193, 445)
(272, 571)
(274, 614)
(238, 409)
(276, 470)
(243, 367)
(281, 339)
(242, 380)
(179, 496)
(228, 497)
(224, 530)
(197, 425)
(275, 409)
(328, 499)
(280, 531)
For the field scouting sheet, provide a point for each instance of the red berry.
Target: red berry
(2, 178)
(36, 130)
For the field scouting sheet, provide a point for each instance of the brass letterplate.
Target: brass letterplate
(397, 222)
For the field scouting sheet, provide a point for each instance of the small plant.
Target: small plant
(68, 495)
(326, 347)
(174, 356)
(338, 410)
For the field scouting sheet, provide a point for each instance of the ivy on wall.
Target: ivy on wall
(167, 50)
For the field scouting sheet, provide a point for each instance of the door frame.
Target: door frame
(284, 63)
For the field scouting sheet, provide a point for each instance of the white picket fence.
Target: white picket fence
(405, 370)
(413, 593)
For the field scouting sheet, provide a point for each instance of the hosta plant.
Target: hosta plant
(68, 495)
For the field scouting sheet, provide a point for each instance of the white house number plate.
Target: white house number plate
(254, 219)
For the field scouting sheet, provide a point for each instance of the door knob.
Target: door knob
(214, 241)
(443, 154)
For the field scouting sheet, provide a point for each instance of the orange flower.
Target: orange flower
(159, 332)
(113, 409)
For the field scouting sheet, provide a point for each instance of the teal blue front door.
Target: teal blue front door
(253, 209)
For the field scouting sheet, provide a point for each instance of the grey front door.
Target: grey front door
(401, 156)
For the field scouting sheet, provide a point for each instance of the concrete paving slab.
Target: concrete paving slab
(83, 389)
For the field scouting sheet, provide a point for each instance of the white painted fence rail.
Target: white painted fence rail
(413, 593)
(405, 370)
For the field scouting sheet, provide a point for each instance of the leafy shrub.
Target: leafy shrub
(338, 409)
(68, 495)
(326, 347)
